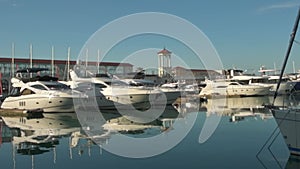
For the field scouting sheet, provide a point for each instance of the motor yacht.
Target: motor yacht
(170, 90)
(40, 93)
(232, 89)
(124, 95)
(286, 87)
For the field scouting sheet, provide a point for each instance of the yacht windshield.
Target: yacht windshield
(57, 86)
(116, 83)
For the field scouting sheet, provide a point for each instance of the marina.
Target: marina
(140, 85)
(99, 118)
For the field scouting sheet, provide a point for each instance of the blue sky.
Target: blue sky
(246, 34)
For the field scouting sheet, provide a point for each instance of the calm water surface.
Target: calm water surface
(57, 141)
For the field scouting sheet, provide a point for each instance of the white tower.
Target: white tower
(164, 62)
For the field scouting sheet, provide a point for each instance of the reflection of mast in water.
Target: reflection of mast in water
(75, 138)
(14, 156)
(54, 155)
(1, 124)
(32, 161)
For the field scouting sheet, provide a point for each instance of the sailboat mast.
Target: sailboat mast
(30, 58)
(294, 69)
(292, 38)
(98, 61)
(30, 55)
(12, 59)
(68, 64)
(86, 61)
(52, 61)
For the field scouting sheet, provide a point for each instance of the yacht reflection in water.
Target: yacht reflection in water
(42, 133)
(39, 135)
(238, 108)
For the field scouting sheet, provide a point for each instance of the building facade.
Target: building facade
(57, 68)
(194, 75)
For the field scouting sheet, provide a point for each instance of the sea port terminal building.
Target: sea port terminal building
(58, 68)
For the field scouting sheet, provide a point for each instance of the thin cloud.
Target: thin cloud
(280, 6)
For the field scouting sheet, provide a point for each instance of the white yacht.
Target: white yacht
(40, 94)
(120, 93)
(286, 86)
(232, 89)
(170, 90)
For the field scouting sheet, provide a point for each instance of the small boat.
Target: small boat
(232, 89)
(39, 93)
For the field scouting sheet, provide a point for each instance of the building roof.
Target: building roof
(164, 52)
(195, 70)
(72, 62)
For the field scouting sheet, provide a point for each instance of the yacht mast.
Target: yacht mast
(12, 59)
(292, 38)
(294, 67)
(86, 61)
(68, 64)
(52, 61)
(30, 55)
(98, 61)
(30, 58)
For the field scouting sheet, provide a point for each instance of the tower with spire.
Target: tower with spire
(164, 62)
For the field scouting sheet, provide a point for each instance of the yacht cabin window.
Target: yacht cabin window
(27, 92)
(39, 87)
(58, 86)
(15, 91)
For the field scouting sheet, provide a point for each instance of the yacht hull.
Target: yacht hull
(288, 121)
(229, 89)
(45, 104)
